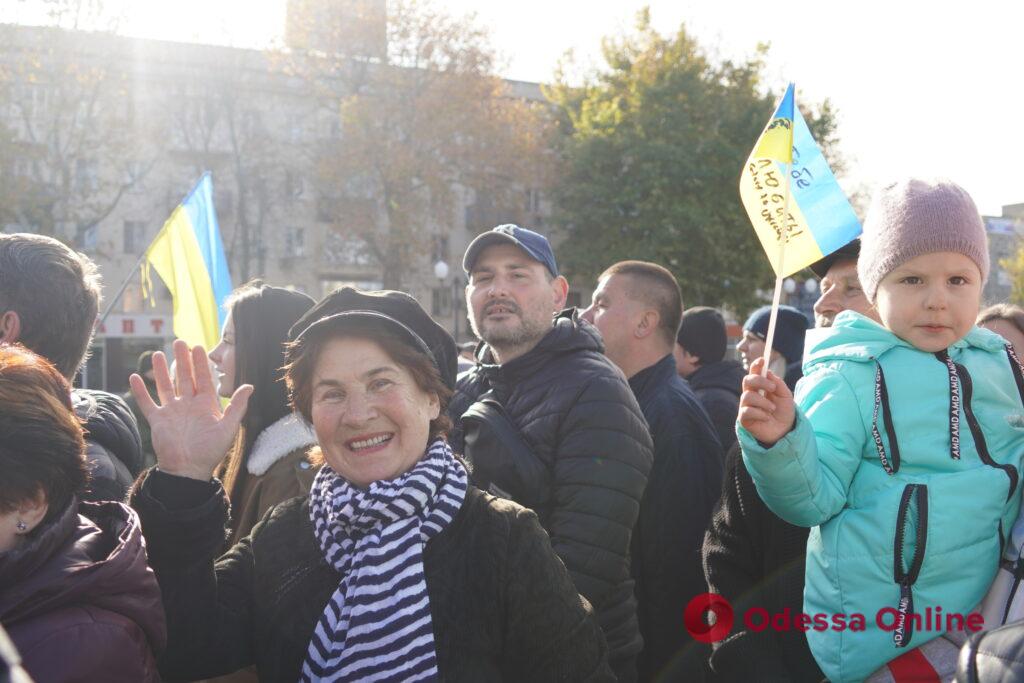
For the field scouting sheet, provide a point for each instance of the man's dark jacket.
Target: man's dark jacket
(592, 455)
(718, 387)
(685, 482)
(113, 445)
(755, 559)
(502, 609)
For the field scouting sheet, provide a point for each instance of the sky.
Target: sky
(922, 88)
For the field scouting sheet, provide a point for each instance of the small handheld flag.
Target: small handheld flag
(797, 208)
(188, 255)
(791, 195)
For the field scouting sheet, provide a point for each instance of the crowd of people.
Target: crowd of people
(337, 491)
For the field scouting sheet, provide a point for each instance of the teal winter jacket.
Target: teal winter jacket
(906, 463)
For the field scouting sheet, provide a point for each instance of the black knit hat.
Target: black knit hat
(702, 333)
(790, 329)
(850, 250)
(398, 306)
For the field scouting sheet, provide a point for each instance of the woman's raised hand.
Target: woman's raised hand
(767, 409)
(190, 433)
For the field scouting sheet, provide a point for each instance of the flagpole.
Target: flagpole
(780, 270)
(777, 298)
(141, 259)
(120, 290)
(131, 273)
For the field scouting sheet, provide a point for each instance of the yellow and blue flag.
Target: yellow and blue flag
(189, 256)
(820, 218)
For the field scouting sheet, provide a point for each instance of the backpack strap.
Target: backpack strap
(503, 462)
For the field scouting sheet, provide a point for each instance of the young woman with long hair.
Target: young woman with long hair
(267, 463)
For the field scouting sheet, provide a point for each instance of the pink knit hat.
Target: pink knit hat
(914, 217)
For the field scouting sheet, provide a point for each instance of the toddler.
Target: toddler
(903, 445)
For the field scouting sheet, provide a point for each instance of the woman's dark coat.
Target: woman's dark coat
(503, 607)
(79, 601)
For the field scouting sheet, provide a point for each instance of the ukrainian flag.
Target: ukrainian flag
(188, 255)
(820, 218)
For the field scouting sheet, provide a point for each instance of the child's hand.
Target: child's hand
(770, 417)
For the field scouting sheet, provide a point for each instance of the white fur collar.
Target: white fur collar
(277, 441)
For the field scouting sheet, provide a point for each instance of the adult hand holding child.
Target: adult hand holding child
(767, 409)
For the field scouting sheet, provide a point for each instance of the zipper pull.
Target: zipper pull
(904, 624)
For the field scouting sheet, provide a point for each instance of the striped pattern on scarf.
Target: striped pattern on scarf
(377, 624)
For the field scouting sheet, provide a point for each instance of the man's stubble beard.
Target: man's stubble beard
(503, 338)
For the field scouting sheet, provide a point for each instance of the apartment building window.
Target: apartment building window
(440, 300)
(293, 184)
(533, 201)
(86, 175)
(324, 209)
(295, 242)
(134, 237)
(88, 237)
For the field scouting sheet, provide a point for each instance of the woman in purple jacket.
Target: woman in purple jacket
(76, 595)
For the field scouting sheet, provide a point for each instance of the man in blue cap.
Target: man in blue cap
(548, 421)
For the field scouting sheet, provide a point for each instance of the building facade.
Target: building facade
(152, 116)
(1004, 240)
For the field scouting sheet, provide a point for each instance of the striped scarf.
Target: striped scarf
(377, 625)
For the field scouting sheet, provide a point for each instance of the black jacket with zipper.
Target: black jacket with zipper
(503, 608)
(591, 457)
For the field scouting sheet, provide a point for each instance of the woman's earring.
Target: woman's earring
(21, 526)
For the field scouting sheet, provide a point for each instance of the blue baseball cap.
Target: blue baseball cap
(533, 243)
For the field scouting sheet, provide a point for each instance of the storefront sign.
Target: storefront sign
(136, 326)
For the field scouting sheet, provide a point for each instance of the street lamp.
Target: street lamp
(441, 270)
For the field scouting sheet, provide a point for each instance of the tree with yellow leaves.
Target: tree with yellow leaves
(420, 129)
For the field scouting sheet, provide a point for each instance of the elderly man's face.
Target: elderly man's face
(841, 291)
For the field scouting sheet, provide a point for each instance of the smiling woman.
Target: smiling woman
(372, 417)
(391, 526)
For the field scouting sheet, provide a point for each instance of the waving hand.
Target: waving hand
(190, 433)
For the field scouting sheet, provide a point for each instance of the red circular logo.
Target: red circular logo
(698, 625)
